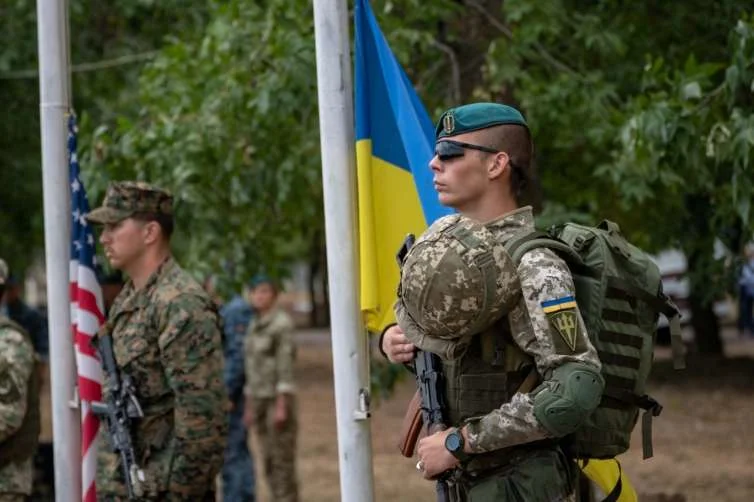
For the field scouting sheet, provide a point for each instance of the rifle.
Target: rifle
(120, 410)
(429, 396)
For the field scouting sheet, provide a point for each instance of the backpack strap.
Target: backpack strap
(651, 409)
(661, 304)
(527, 240)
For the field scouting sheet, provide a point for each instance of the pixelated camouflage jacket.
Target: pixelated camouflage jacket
(167, 337)
(270, 353)
(544, 276)
(16, 366)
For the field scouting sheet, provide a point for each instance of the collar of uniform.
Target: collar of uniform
(518, 218)
(130, 297)
(266, 318)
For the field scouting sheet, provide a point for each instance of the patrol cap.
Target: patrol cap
(3, 272)
(475, 116)
(126, 198)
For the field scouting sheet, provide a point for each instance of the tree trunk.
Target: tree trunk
(703, 317)
(706, 327)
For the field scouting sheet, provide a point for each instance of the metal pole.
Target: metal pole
(336, 125)
(54, 104)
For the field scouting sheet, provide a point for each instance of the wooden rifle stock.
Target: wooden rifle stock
(412, 426)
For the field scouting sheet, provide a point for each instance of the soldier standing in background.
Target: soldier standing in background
(238, 468)
(19, 407)
(166, 336)
(270, 400)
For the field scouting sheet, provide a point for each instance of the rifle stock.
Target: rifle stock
(412, 426)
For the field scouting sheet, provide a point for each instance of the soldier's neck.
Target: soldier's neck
(150, 262)
(489, 208)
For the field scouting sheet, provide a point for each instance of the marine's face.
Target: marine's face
(460, 172)
(123, 242)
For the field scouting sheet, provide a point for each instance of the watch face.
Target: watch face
(453, 442)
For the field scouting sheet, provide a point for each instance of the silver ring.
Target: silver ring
(420, 465)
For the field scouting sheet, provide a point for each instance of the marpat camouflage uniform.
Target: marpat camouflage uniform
(166, 335)
(270, 353)
(16, 366)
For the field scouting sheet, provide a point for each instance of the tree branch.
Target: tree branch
(455, 88)
(506, 31)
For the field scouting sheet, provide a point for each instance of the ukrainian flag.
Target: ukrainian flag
(394, 144)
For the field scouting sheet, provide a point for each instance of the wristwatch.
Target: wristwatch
(454, 444)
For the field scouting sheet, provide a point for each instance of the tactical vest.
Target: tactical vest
(23, 443)
(487, 375)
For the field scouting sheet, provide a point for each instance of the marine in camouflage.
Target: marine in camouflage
(16, 366)
(544, 276)
(166, 335)
(270, 354)
(456, 281)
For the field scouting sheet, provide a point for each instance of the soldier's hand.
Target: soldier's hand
(396, 346)
(281, 412)
(248, 417)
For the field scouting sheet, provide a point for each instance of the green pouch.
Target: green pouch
(540, 476)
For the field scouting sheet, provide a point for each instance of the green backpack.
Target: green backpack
(619, 294)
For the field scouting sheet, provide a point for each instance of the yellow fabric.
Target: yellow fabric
(604, 474)
(389, 209)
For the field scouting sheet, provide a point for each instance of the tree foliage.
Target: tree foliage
(640, 114)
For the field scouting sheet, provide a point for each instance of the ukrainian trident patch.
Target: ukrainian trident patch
(562, 315)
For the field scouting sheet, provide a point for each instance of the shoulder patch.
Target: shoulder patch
(561, 313)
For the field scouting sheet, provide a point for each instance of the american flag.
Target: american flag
(86, 317)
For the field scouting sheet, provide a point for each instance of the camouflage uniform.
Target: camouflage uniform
(16, 368)
(270, 353)
(166, 335)
(515, 456)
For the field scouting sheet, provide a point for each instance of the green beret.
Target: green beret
(476, 116)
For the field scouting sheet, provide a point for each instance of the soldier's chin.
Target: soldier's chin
(446, 199)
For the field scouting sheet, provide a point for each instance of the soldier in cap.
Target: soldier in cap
(503, 440)
(166, 335)
(270, 390)
(19, 407)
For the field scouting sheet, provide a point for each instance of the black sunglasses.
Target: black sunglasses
(448, 149)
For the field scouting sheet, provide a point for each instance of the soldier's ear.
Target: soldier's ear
(152, 232)
(500, 162)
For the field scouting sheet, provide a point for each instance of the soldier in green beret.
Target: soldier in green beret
(166, 336)
(503, 440)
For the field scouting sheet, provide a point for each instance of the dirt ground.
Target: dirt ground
(703, 441)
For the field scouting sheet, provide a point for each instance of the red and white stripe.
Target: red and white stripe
(87, 315)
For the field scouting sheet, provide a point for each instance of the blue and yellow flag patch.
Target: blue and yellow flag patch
(561, 313)
(551, 306)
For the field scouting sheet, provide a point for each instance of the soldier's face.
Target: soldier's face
(263, 297)
(460, 178)
(123, 243)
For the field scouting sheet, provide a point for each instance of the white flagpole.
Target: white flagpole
(349, 339)
(54, 104)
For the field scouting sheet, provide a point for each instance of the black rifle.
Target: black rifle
(430, 382)
(120, 410)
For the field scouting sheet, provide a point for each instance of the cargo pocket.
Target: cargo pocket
(542, 476)
(482, 393)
